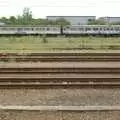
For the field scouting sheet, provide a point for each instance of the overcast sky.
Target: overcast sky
(42, 8)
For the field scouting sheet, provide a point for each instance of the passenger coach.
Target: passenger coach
(30, 30)
(92, 30)
(61, 30)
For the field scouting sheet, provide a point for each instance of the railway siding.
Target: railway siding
(59, 57)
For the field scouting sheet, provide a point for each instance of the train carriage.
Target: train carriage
(92, 30)
(29, 30)
(64, 30)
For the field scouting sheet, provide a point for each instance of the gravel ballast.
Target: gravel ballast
(52, 115)
(65, 97)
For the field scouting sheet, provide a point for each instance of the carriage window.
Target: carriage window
(87, 29)
(11, 28)
(67, 27)
(117, 29)
(20, 29)
(54, 29)
(111, 28)
(25, 29)
(95, 29)
(48, 28)
(81, 29)
(4, 28)
(37, 28)
(104, 29)
(42, 28)
(71, 28)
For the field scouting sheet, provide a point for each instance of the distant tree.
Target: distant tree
(27, 16)
(27, 19)
(4, 20)
(62, 21)
(96, 22)
(12, 20)
(19, 20)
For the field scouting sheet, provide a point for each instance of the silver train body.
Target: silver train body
(64, 30)
(92, 30)
(29, 30)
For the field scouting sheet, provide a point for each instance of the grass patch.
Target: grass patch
(43, 43)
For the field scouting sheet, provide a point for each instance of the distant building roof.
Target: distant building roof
(71, 16)
(111, 19)
(74, 20)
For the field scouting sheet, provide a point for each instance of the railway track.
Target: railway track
(60, 75)
(60, 112)
(67, 74)
(59, 70)
(71, 72)
(59, 57)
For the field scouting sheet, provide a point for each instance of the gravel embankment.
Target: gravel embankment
(37, 115)
(67, 97)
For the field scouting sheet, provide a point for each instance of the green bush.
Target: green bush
(44, 39)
